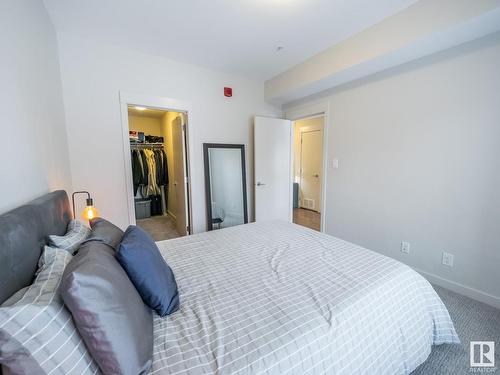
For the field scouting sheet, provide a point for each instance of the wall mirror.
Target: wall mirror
(225, 185)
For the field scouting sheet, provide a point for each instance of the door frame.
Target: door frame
(161, 103)
(311, 110)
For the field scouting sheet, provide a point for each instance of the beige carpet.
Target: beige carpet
(474, 321)
(159, 227)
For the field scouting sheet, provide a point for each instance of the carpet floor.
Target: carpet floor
(159, 227)
(474, 321)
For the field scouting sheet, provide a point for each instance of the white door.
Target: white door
(273, 150)
(311, 165)
(180, 175)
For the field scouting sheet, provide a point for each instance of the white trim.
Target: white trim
(312, 110)
(156, 102)
(307, 110)
(320, 114)
(464, 290)
(311, 128)
(129, 188)
(186, 121)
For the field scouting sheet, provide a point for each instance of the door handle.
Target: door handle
(316, 175)
(260, 184)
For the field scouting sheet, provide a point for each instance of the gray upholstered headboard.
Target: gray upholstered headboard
(23, 233)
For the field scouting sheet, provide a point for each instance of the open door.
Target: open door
(180, 175)
(273, 182)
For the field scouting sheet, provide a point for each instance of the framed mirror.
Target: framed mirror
(225, 185)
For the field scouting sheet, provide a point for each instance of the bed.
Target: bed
(266, 298)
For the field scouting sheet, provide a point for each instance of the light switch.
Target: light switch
(335, 163)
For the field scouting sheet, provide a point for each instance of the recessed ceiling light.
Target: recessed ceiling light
(140, 108)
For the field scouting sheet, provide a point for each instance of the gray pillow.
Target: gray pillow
(105, 232)
(37, 334)
(109, 314)
(15, 298)
(74, 237)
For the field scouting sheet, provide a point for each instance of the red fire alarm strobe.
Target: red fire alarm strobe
(228, 92)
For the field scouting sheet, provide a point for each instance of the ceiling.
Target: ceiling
(235, 36)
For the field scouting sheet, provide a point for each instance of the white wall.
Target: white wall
(419, 152)
(92, 77)
(34, 151)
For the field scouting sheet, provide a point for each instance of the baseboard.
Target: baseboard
(467, 291)
(309, 209)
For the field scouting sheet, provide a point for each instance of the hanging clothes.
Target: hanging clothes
(164, 168)
(145, 168)
(137, 170)
(163, 180)
(150, 177)
(151, 187)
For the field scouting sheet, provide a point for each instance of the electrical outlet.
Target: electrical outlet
(447, 259)
(405, 247)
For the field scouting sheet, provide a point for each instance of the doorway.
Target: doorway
(157, 145)
(308, 134)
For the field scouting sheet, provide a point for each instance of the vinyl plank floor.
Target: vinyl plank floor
(307, 218)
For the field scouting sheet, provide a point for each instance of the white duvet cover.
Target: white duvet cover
(277, 298)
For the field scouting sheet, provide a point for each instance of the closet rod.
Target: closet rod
(146, 144)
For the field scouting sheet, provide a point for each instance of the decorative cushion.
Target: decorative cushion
(148, 271)
(113, 321)
(71, 241)
(37, 334)
(105, 232)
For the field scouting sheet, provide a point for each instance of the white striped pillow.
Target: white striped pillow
(71, 241)
(37, 333)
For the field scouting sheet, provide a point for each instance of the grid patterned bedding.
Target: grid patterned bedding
(276, 298)
(37, 333)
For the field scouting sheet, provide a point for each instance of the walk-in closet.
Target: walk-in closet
(158, 161)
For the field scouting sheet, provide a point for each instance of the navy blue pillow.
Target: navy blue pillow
(152, 277)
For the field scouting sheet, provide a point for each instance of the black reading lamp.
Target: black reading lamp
(89, 211)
